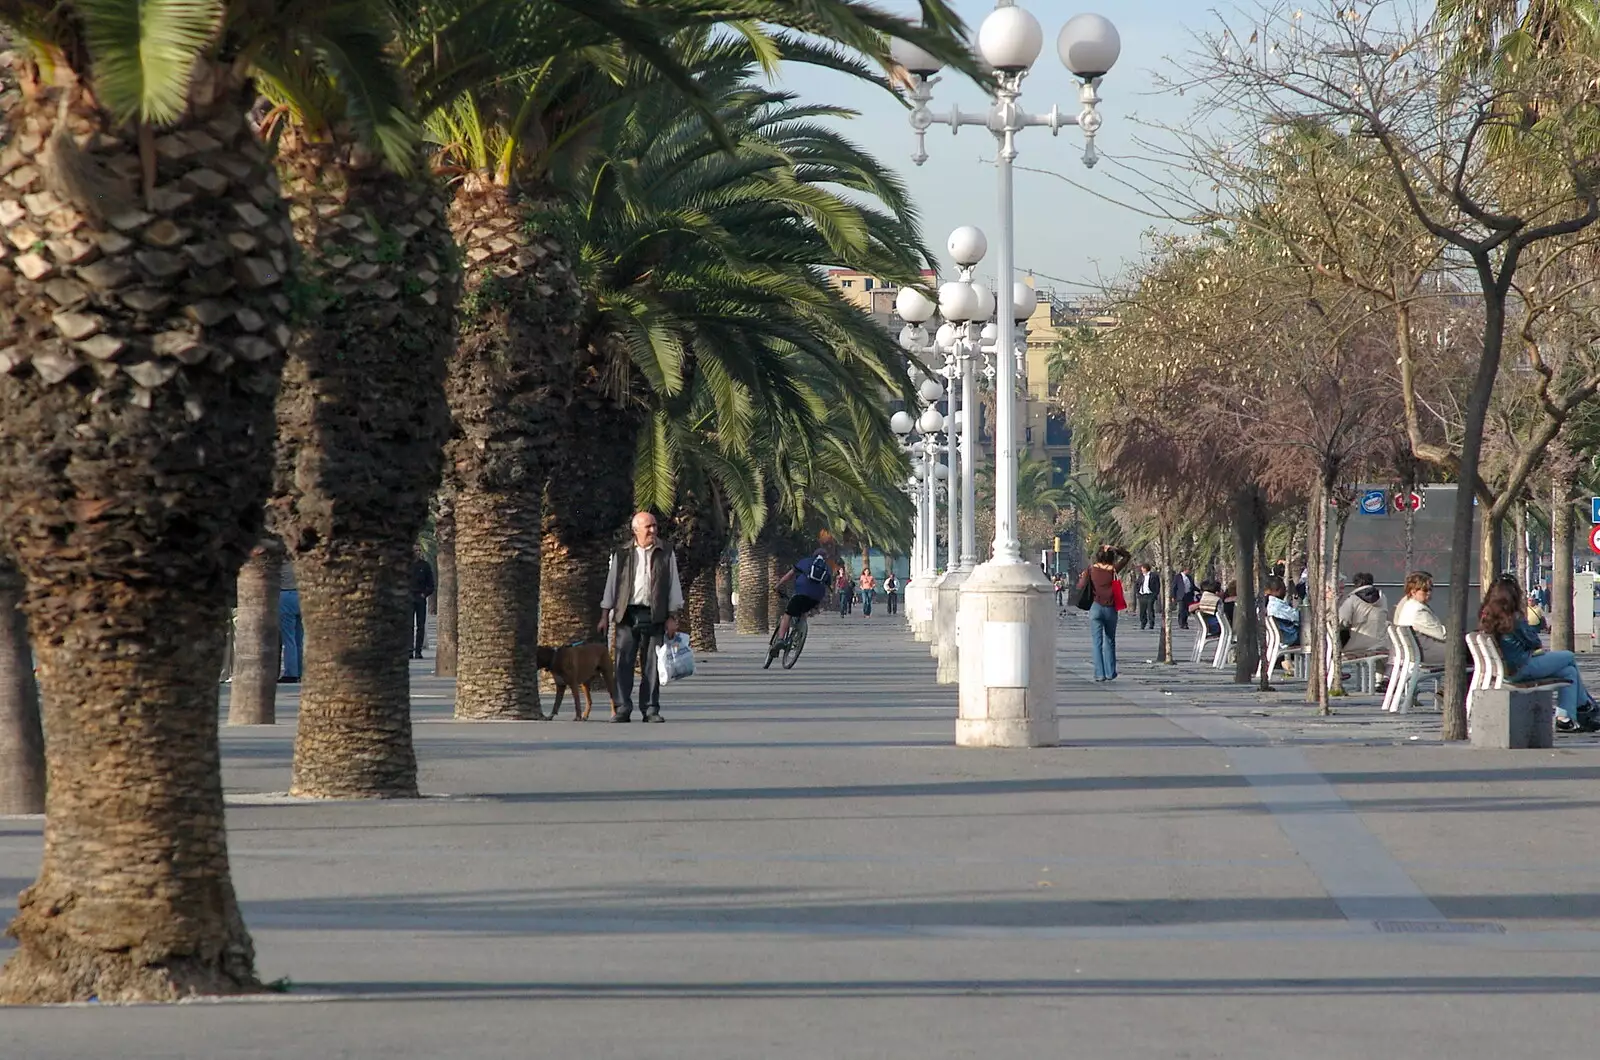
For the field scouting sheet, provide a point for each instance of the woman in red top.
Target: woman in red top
(1108, 563)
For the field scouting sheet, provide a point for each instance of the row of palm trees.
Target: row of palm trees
(313, 258)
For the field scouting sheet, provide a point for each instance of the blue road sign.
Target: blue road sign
(1375, 502)
(1594, 510)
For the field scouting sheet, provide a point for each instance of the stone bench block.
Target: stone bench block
(1512, 718)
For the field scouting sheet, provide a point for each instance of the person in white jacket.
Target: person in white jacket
(1413, 611)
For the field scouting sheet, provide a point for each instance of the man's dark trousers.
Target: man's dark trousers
(419, 621)
(1147, 610)
(637, 636)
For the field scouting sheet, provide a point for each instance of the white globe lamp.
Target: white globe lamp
(990, 334)
(1024, 299)
(1010, 39)
(913, 58)
(1089, 46)
(945, 337)
(941, 472)
(985, 303)
(917, 472)
(931, 390)
(901, 422)
(958, 302)
(930, 422)
(913, 306)
(967, 245)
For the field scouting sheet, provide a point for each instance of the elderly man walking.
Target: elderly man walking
(643, 592)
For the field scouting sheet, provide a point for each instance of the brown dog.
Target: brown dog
(574, 666)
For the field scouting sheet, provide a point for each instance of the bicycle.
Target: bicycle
(790, 651)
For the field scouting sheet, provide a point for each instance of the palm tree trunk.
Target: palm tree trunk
(362, 421)
(133, 901)
(702, 611)
(509, 386)
(724, 590)
(497, 580)
(751, 614)
(21, 737)
(587, 506)
(700, 531)
(444, 532)
(135, 457)
(354, 735)
(253, 692)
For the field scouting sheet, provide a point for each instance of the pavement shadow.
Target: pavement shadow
(1068, 784)
(1381, 986)
(667, 909)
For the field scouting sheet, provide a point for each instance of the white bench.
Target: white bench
(1409, 670)
(1278, 651)
(1502, 713)
(1201, 636)
(1224, 640)
(1364, 667)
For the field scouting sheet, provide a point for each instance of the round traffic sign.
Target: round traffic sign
(1403, 501)
(1594, 539)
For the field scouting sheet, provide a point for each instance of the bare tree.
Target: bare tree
(1458, 146)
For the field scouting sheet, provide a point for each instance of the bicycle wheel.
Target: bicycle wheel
(797, 642)
(770, 645)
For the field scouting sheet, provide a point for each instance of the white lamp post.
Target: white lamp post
(916, 309)
(964, 305)
(1008, 681)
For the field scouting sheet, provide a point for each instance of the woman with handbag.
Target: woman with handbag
(1101, 584)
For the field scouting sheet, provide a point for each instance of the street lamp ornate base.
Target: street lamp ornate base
(1007, 648)
(947, 637)
(919, 610)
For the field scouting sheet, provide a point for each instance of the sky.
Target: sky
(1067, 235)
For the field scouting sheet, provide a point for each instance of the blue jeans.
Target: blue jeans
(1103, 640)
(1289, 632)
(866, 601)
(291, 633)
(1563, 666)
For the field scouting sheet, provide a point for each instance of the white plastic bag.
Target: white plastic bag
(674, 659)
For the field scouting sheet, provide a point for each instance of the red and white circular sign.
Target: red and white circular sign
(1594, 539)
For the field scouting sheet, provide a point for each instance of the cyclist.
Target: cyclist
(810, 576)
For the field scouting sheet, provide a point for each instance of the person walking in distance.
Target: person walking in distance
(423, 585)
(1182, 596)
(1102, 575)
(291, 632)
(846, 590)
(891, 592)
(869, 586)
(1146, 588)
(643, 592)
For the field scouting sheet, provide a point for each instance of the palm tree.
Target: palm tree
(516, 375)
(362, 416)
(21, 738)
(253, 683)
(699, 260)
(144, 336)
(510, 379)
(1502, 34)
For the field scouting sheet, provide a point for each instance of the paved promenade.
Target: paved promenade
(801, 865)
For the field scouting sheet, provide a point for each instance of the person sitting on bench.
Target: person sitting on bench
(1413, 611)
(1206, 607)
(1502, 617)
(1285, 614)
